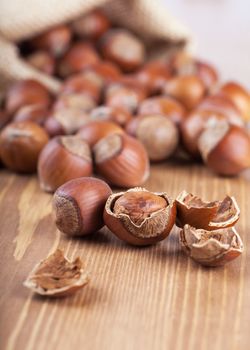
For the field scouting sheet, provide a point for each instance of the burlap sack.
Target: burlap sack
(21, 19)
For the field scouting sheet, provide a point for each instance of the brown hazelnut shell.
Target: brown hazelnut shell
(211, 248)
(57, 276)
(64, 158)
(116, 115)
(43, 61)
(193, 211)
(79, 204)
(33, 113)
(151, 230)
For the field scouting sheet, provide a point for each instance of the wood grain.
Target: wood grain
(138, 298)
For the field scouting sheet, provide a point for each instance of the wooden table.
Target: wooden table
(138, 298)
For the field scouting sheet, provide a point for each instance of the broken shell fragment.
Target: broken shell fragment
(193, 211)
(211, 248)
(56, 276)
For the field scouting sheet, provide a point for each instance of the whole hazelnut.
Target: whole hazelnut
(225, 148)
(91, 26)
(64, 158)
(117, 115)
(21, 144)
(211, 248)
(158, 134)
(164, 105)
(107, 70)
(94, 131)
(123, 48)
(80, 56)
(121, 160)
(184, 64)
(56, 40)
(140, 217)
(187, 89)
(34, 113)
(239, 96)
(26, 92)
(43, 61)
(79, 205)
(76, 100)
(193, 125)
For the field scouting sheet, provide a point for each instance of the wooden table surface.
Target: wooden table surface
(138, 298)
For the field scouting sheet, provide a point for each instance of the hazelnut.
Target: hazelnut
(33, 113)
(211, 248)
(121, 160)
(117, 115)
(79, 205)
(74, 100)
(55, 40)
(154, 75)
(164, 105)
(158, 134)
(21, 144)
(187, 89)
(184, 64)
(123, 48)
(225, 148)
(239, 96)
(26, 92)
(107, 70)
(193, 211)
(88, 83)
(64, 158)
(79, 56)
(91, 26)
(94, 131)
(56, 276)
(140, 217)
(43, 61)
(194, 124)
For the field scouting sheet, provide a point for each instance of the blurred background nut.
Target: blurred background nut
(94, 131)
(121, 160)
(91, 26)
(21, 144)
(140, 217)
(225, 148)
(34, 113)
(158, 134)
(211, 248)
(109, 71)
(43, 61)
(187, 89)
(79, 205)
(26, 92)
(56, 40)
(117, 115)
(64, 158)
(123, 48)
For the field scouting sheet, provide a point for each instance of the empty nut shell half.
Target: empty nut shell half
(140, 217)
(211, 248)
(193, 211)
(121, 160)
(56, 276)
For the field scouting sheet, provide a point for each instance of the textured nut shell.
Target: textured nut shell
(63, 159)
(117, 115)
(121, 160)
(211, 248)
(193, 211)
(121, 225)
(79, 205)
(94, 131)
(225, 148)
(57, 261)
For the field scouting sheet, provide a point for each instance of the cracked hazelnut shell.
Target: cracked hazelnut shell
(117, 115)
(94, 131)
(211, 248)
(79, 205)
(225, 148)
(193, 211)
(57, 276)
(63, 158)
(140, 217)
(121, 160)
(21, 144)
(158, 134)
